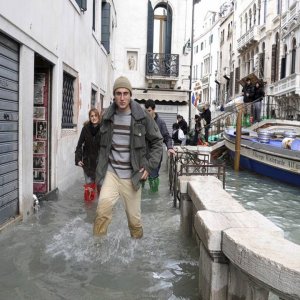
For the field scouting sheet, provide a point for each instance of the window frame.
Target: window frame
(75, 106)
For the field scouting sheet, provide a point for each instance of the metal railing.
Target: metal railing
(162, 64)
(270, 109)
(191, 162)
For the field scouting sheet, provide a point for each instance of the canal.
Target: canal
(53, 255)
(277, 201)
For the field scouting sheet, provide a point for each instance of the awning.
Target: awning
(161, 95)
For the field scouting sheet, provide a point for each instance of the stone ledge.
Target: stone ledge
(210, 225)
(209, 196)
(184, 179)
(266, 256)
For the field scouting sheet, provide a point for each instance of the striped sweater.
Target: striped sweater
(119, 157)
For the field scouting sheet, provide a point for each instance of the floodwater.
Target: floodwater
(277, 201)
(54, 255)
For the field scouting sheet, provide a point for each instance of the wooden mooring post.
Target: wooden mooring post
(238, 133)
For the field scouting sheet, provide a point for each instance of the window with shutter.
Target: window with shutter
(230, 92)
(93, 98)
(261, 68)
(293, 66)
(150, 28)
(283, 62)
(273, 63)
(237, 78)
(105, 26)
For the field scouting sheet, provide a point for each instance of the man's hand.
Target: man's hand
(171, 152)
(145, 174)
(80, 164)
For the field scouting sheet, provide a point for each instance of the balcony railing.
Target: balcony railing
(290, 84)
(161, 64)
(249, 37)
(289, 19)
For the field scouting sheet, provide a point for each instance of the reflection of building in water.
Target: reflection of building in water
(131, 62)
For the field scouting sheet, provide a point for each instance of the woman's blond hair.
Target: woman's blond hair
(96, 111)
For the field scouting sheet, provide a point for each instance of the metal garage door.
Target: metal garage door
(9, 115)
(170, 119)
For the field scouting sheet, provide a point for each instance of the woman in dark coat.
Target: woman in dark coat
(86, 152)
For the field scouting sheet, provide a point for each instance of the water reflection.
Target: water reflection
(277, 201)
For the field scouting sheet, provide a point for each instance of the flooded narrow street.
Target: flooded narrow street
(54, 255)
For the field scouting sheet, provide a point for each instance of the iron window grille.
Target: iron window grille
(162, 64)
(93, 98)
(68, 101)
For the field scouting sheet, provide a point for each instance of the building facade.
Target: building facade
(154, 53)
(260, 38)
(55, 64)
(60, 59)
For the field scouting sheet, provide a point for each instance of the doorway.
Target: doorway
(41, 126)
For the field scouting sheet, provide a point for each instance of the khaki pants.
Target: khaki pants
(112, 190)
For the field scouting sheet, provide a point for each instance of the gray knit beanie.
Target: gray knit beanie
(122, 82)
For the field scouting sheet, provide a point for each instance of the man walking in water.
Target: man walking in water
(154, 176)
(130, 149)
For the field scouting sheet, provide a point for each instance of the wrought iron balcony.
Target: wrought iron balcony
(161, 64)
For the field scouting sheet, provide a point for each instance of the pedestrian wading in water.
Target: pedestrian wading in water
(130, 149)
(86, 153)
(153, 178)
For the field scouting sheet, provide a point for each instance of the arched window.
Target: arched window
(250, 19)
(246, 22)
(275, 58)
(241, 26)
(283, 63)
(252, 62)
(293, 67)
(278, 6)
(265, 11)
(248, 63)
(159, 35)
(254, 14)
(262, 61)
(258, 12)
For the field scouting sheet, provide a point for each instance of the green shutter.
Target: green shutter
(168, 40)
(150, 28)
(105, 26)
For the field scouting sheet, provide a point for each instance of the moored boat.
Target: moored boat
(270, 148)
